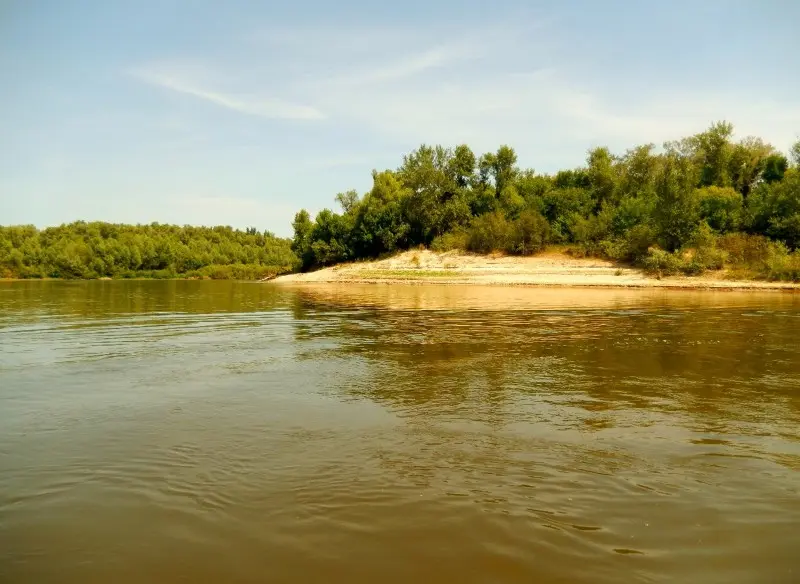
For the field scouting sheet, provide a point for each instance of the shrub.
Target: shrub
(489, 233)
(457, 239)
(781, 265)
(528, 234)
(721, 208)
(661, 263)
(745, 249)
(635, 244)
(690, 262)
(594, 228)
(631, 212)
(774, 209)
(703, 259)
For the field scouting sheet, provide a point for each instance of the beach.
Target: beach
(552, 269)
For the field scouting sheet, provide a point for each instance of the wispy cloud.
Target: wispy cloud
(404, 67)
(246, 103)
(499, 83)
(673, 114)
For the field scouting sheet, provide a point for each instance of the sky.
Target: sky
(241, 112)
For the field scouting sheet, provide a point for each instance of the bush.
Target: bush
(783, 267)
(761, 257)
(691, 262)
(630, 213)
(528, 234)
(779, 264)
(492, 232)
(721, 208)
(488, 233)
(635, 244)
(745, 249)
(594, 228)
(458, 239)
(774, 209)
(661, 263)
(703, 259)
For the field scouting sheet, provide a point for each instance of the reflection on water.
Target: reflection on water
(233, 432)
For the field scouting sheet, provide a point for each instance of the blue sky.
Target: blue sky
(241, 112)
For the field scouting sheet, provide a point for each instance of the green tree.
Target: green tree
(564, 207)
(348, 200)
(380, 226)
(91, 250)
(747, 163)
(602, 176)
(638, 172)
(774, 209)
(505, 168)
(488, 233)
(528, 234)
(301, 244)
(431, 175)
(794, 153)
(330, 239)
(500, 167)
(676, 211)
(710, 151)
(721, 208)
(714, 151)
(775, 167)
(462, 166)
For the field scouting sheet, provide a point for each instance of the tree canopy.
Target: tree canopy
(93, 250)
(686, 204)
(622, 205)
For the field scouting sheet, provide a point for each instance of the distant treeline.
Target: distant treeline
(700, 203)
(95, 250)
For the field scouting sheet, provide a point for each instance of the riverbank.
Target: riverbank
(553, 269)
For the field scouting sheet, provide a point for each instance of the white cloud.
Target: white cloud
(404, 67)
(246, 103)
(501, 83)
(675, 114)
(545, 110)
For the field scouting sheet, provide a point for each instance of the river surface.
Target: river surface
(166, 432)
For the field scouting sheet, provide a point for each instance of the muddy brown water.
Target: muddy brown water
(238, 432)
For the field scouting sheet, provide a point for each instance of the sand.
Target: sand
(547, 269)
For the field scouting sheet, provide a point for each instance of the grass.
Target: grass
(419, 274)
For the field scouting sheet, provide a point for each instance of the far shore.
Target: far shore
(549, 269)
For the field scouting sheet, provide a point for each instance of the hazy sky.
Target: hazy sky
(240, 112)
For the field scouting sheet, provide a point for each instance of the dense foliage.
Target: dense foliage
(700, 203)
(694, 205)
(93, 250)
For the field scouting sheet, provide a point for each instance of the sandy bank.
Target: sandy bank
(547, 269)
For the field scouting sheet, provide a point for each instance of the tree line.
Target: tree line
(96, 250)
(704, 202)
(695, 204)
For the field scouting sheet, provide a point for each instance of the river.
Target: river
(231, 432)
